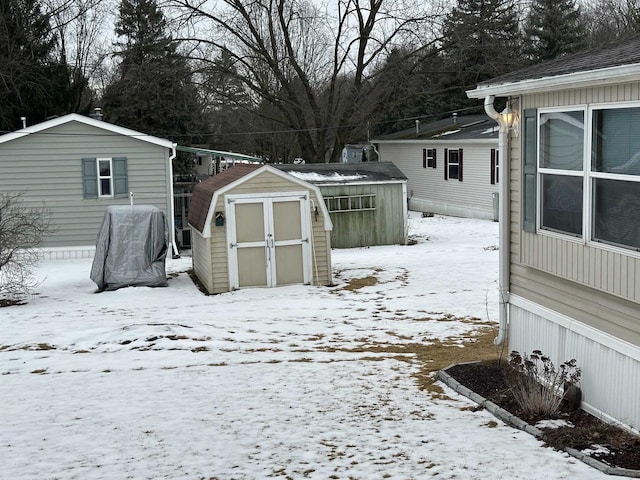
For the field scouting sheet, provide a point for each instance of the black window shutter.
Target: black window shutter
(446, 164)
(493, 166)
(424, 158)
(529, 169)
(460, 165)
(120, 181)
(89, 178)
(434, 157)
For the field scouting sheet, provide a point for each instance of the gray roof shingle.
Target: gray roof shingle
(623, 51)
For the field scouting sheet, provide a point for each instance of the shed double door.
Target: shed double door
(269, 240)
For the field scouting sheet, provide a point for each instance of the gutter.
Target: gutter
(503, 215)
(172, 230)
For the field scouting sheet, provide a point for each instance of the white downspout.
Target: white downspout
(503, 213)
(172, 229)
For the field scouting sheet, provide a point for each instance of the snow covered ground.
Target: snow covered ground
(260, 383)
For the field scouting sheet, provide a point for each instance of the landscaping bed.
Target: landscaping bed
(579, 430)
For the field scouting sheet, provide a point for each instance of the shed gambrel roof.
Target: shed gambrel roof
(618, 60)
(74, 117)
(453, 128)
(205, 194)
(344, 173)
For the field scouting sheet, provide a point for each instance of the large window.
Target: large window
(615, 176)
(561, 158)
(453, 164)
(585, 177)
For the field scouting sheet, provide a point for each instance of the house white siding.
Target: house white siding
(427, 188)
(610, 382)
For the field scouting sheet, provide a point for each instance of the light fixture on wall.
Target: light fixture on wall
(511, 119)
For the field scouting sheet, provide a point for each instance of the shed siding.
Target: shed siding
(383, 226)
(201, 259)
(598, 286)
(47, 166)
(265, 183)
(429, 191)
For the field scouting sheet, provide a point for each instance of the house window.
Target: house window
(350, 203)
(592, 193)
(560, 170)
(615, 176)
(104, 177)
(495, 166)
(428, 158)
(453, 164)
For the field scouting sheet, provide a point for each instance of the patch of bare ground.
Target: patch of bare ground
(607, 443)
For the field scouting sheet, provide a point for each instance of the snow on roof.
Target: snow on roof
(319, 177)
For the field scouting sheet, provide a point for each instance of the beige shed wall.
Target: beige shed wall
(267, 182)
(597, 285)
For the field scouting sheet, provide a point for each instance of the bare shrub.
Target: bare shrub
(537, 385)
(22, 230)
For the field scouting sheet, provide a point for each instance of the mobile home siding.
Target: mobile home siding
(599, 286)
(429, 191)
(47, 166)
(264, 183)
(383, 226)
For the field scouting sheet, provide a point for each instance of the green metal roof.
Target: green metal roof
(218, 153)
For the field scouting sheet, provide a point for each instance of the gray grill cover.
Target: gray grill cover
(131, 248)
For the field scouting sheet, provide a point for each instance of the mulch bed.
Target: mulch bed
(588, 432)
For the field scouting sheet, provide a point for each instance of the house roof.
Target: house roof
(74, 117)
(617, 60)
(205, 194)
(344, 173)
(454, 128)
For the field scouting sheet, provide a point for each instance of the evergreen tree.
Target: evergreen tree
(153, 90)
(553, 28)
(33, 82)
(481, 40)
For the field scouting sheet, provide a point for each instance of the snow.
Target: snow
(170, 383)
(319, 177)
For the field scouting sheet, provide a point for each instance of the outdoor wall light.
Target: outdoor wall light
(511, 119)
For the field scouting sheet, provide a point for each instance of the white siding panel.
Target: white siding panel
(429, 191)
(610, 367)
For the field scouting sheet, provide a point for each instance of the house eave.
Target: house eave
(590, 78)
(466, 141)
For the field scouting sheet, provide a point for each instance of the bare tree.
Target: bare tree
(22, 230)
(312, 65)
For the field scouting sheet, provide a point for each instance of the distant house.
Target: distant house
(451, 165)
(352, 153)
(366, 201)
(570, 228)
(76, 167)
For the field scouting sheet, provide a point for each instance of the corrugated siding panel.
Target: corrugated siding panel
(610, 381)
(473, 195)
(48, 168)
(382, 226)
(595, 276)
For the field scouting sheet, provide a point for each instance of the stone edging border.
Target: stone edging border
(520, 424)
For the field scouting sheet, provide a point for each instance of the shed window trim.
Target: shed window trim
(351, 203)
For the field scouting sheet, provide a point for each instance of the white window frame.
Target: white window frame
(453, 164)
(351, 203)
(540, 171)
(587, 175)
(103, 177)
(496, 166)
(592, 175)
(431, 155)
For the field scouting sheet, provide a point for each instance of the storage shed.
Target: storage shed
(255, 226)
(367, 201)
